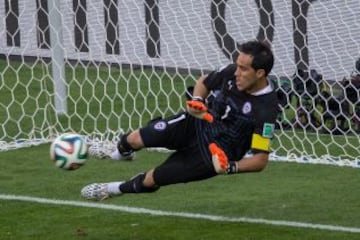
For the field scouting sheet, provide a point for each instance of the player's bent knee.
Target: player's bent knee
(134, 140)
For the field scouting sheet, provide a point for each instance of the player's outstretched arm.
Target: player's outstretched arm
(254, 163)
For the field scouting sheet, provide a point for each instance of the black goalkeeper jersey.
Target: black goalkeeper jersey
(243, 121)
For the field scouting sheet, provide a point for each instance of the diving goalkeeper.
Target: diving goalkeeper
(227, 129)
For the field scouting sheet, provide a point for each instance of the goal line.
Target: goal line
(216, 218)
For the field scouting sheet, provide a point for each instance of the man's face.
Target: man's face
(247, 78)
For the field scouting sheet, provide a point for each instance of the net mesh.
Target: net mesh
(101, 68)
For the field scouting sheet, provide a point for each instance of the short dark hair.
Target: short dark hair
(263, 57)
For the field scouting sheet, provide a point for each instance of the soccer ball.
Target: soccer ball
(69, 151)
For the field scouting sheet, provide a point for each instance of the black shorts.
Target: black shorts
(175, 133)
(186, 163)
(183, 166)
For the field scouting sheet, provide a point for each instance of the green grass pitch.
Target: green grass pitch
(303, 193)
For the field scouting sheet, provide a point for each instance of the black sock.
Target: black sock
(124, 147)
(135, 185)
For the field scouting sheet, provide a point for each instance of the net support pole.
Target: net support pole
(57, 56)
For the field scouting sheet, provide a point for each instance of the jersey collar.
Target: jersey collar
(265, 90)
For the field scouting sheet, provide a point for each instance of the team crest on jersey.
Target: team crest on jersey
(246, 108)
(161, 125)
(268, 130)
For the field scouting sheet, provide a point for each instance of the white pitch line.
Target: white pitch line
(179, 214)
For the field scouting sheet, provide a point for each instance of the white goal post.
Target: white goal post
(102, 67)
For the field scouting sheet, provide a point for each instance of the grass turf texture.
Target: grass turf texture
(316, 194)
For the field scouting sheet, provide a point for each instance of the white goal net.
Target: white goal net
(102, 67)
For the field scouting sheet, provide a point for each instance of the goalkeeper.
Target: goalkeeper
(232, 112)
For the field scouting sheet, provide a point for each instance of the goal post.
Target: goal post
(103, 67)
(57, 56)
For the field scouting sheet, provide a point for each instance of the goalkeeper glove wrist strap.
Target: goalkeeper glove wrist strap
(232, 168)
(198, 98)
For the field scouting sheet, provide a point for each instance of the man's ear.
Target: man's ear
(260, 73)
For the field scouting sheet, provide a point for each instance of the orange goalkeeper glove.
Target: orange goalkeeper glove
(198, 109)
(220, 161)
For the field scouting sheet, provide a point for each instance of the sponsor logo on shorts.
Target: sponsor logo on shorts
(161, 125)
